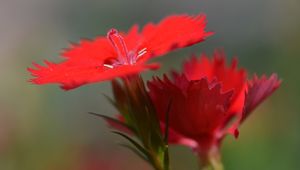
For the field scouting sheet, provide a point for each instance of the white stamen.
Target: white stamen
(108, 66)
(142, 50)
(140, 53)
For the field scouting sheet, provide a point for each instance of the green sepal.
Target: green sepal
(136, 151)
(107, 118)
(132, 141)
(111, 101)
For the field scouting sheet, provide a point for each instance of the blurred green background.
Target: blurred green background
(45, 128)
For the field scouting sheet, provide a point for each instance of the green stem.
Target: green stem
(160, 161)
(157, 164)
(211, 160)
(166, 158)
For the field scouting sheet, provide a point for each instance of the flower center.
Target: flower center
(125, 57)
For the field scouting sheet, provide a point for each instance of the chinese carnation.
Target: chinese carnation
(120, 54)
(208, 100)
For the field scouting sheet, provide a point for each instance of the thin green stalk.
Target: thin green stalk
(211, 160)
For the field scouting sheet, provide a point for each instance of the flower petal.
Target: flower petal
(74, 73)
(196, 110)
(258, 90)
(98, 49)
(174, 32)
(179, 139)
(230, 77)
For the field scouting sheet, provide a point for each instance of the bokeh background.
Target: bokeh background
(45, 128)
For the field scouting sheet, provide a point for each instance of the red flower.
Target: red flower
(121, 54)
(206, 98)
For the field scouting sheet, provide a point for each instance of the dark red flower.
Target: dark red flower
(121, 54)
(206, 98)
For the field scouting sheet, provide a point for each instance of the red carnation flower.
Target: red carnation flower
(121, 54)
(205, 99)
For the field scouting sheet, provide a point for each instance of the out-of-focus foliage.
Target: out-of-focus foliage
(43, 127)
